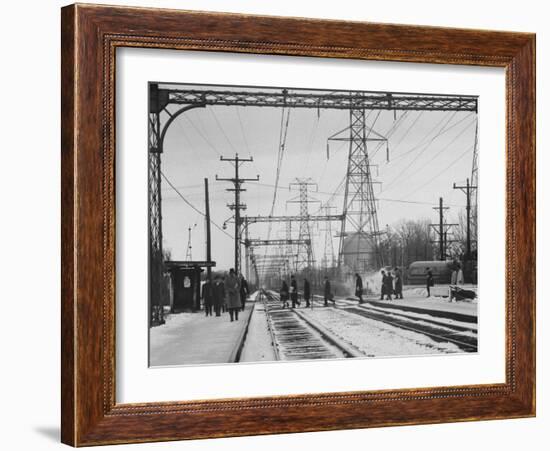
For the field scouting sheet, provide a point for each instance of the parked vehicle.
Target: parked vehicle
(441, 271)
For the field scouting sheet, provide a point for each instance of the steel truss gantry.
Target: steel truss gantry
(277, 242)
(185, 99)
(297, 218)
(340, 100)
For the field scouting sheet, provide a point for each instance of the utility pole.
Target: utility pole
(467, 189)
(441, 229)
(237, 206)
(208, 239)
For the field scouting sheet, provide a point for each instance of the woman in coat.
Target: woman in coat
(232, 293)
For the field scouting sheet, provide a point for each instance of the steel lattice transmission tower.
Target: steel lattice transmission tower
(361, 218)
(189, 252)
(305, 252)
(328, 256)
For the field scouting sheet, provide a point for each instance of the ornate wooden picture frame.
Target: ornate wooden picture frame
(90, 37)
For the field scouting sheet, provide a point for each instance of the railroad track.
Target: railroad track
(437, 330)
(295, 337)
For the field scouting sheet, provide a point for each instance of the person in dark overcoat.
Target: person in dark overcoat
(429, 281)
(307, 292)
(219, 295)
(207, 296)
(388, 288)
(359, 287)
(328, 292)
(383, 285)
(233, 294)
(244, 292)
(398, 283)
(294, 291)
(283, 294)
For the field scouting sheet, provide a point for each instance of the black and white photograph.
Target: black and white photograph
(294, 224)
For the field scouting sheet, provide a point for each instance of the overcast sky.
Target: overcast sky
(428, 151)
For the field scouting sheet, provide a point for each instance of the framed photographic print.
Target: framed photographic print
(269, 223)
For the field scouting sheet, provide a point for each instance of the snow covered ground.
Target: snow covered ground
(258, 346)
(375, 338)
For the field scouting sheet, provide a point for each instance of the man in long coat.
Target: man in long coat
(328, 292)
(307, 292)
(219, 295)
(359, 287)
(398, 282)
(293, 291)
(429, 280)
(389, 285)
(208, 297)
(232, 294)
(244, 291)
(284, 294)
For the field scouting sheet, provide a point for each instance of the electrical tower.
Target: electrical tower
(361, 218)
(237, 206)
(442, 229)
(328, 256)
(289, 251)
(305, 252)
(189, 253)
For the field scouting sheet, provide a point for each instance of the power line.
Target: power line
(191, 205)
(398, 176)
(441, 152)
(244, 138)
(186, 116)
(332, 194)
(440, 172)
(212, 112)
(448, 129)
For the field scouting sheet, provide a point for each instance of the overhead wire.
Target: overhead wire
(191, 205)
(202, 135)
(245, 140)
(415, 159)
(469, 149)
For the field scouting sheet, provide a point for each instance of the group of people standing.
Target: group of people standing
(392, 284)
(291, 293)
(225, 294)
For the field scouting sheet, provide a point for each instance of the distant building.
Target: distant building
(360, 252)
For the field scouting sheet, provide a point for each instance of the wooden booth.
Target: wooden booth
(185, 281)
